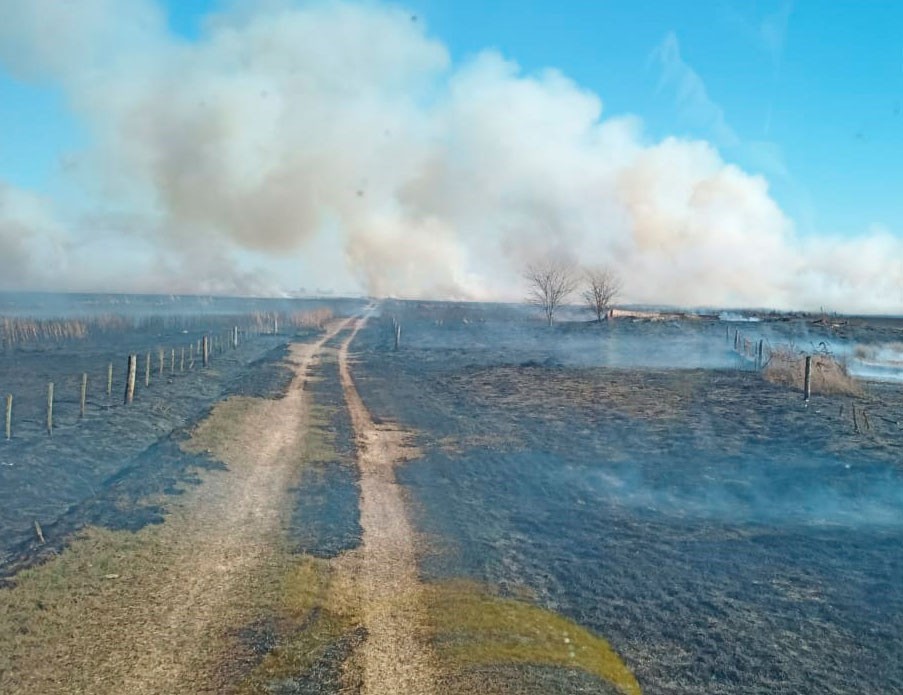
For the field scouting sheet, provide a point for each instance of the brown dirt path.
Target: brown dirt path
(162, 630)
(396, 657)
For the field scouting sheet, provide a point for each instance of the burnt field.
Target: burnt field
(642, 479)
(114, 466)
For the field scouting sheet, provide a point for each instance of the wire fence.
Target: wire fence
(65, 400)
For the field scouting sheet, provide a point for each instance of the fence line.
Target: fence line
(749, 350)
(754, 351)
(209, 346)
(204, 349)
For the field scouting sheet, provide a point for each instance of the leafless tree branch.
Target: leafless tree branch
(602, 285)
(549, 284)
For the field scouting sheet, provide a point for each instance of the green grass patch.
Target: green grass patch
(472, 627)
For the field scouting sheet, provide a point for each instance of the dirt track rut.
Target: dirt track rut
(237, 519)
(396, 657)
(160, 622)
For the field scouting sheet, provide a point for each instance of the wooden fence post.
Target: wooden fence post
(109, 379)
(147, 370)
(397, 335)
(130, 379)
(234, 337)
(206, 345)
(182, 360)
(9, 416)
(760, 354)
(807, 382)
(160, 355)
(172, 361)
(84, 395)
(50, 408)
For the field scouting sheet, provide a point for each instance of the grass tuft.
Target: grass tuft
(475, 628)
(829, 375)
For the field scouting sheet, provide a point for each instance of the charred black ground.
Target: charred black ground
(637, 477)
(723, 535)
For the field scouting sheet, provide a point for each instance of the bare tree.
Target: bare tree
(549, 285)
(602, 285)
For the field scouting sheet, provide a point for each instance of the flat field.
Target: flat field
(641, 479)
(495, 506)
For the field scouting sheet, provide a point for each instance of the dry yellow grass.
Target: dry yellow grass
(17, 331)
(829, 376)
(316, 318)
(318, 608)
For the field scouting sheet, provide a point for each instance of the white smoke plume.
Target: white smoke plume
(292, 126)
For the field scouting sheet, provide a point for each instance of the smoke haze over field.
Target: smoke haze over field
(345, 131)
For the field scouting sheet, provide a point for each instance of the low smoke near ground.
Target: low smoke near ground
(345, 130)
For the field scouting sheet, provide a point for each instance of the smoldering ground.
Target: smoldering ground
(722, 534)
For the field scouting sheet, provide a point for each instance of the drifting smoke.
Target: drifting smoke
(288, 124)
(33, 244)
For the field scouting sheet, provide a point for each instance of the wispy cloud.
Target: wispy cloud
(691, 98)
(702, 115)
(772, 31)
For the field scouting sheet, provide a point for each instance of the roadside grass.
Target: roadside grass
(217, 430)
(64, 604)
(59, 621)
(472, 627)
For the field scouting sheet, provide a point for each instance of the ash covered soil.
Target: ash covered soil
(640, 479)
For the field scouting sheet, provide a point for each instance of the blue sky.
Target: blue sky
(820, 84)
(812, 91)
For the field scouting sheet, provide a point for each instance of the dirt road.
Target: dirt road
(396, 657)
(157, 622)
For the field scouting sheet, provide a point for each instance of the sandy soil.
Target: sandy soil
(163, 631)
(395, 657)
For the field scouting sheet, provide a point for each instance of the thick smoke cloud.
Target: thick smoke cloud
(286, 123)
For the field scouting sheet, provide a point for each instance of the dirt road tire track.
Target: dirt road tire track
(396, 657)
(237, 520)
